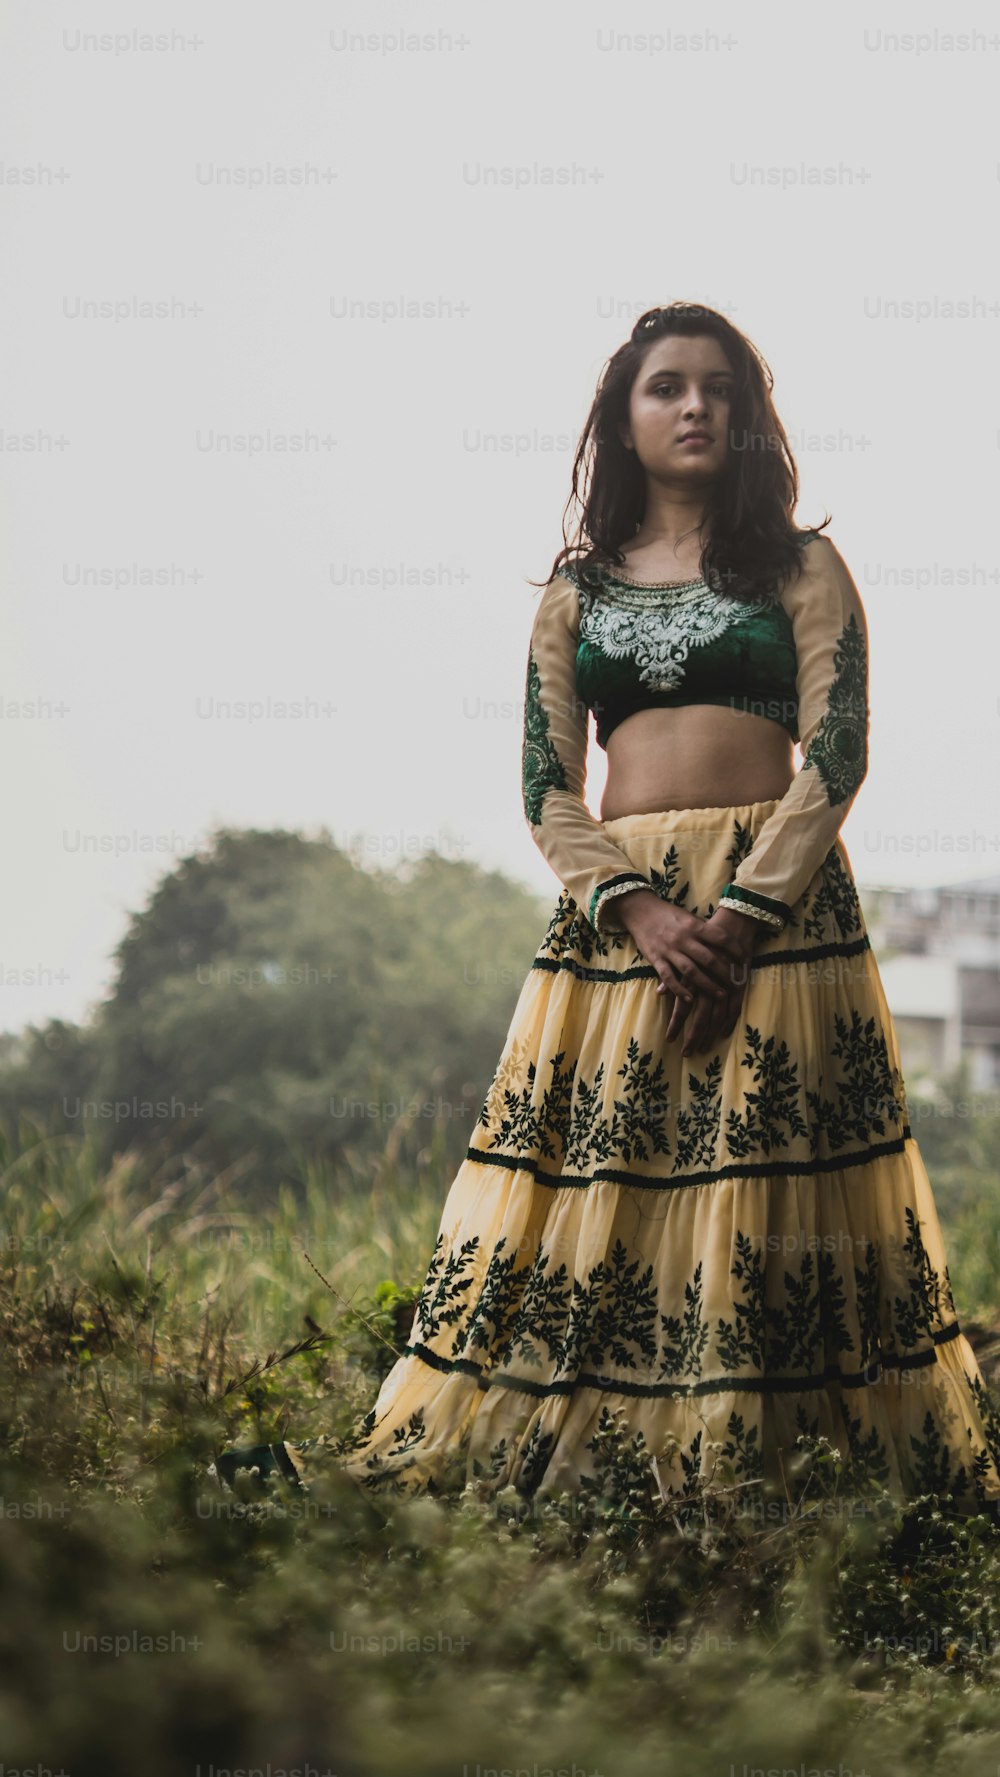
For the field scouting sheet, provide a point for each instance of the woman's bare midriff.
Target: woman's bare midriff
(699, 756)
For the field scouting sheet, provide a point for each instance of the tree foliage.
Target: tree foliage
(275, 1001)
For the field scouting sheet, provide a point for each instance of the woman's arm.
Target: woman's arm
(831, 644)
(554, 767)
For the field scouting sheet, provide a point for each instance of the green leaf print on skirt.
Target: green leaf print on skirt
(727, 1250)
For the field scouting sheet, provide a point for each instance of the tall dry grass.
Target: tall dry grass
(141, 1332)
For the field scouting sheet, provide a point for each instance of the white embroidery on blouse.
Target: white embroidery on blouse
(658, 633)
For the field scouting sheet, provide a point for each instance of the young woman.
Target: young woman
(692, 1193)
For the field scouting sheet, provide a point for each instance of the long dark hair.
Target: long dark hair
(749, 541)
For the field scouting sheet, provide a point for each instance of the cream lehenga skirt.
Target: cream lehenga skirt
(731, 1248)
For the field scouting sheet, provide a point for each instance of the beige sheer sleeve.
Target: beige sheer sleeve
(831, 645)
(554, 766)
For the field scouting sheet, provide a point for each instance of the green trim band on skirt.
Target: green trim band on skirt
(797, 1283)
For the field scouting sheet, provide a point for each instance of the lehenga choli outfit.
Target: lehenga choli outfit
(733, 1247)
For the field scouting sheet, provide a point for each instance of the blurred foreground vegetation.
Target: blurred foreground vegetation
(143, 1332)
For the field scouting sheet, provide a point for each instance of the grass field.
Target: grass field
(154, 1623)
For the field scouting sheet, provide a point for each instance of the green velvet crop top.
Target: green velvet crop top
(612, 648)
(662, 646)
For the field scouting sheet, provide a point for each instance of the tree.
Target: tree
(275, 1000)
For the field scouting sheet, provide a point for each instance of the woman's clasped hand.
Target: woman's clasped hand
(703, 963)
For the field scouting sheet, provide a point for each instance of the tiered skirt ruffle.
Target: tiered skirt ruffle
(731, 1248)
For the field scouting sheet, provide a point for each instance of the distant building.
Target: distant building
(938, 952)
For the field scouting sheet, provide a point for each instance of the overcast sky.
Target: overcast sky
(533, 177)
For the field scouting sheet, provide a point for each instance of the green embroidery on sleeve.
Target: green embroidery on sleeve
(839, 750)
(541, 767)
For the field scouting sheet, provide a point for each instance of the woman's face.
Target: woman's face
(685, 385)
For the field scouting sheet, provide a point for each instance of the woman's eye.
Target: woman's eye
(722, 389)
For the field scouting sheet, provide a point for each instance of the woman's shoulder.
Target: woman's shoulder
(558, 606)
(820, 555)
(570, 571)
(824, 582)
(813, 545)
(566, 593)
